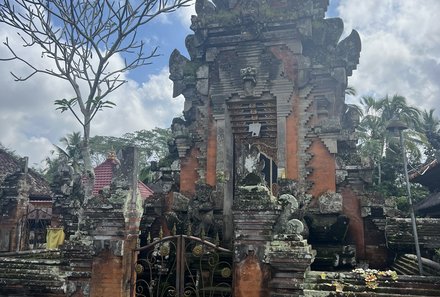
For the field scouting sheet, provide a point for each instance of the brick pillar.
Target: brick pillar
(254, 215)
(101, 256)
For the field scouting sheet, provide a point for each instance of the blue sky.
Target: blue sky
(400, 54)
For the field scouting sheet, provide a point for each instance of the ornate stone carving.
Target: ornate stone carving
(330, 202)
(181, 137)
(201, 211)
(249, 77)
(65, 176)
(285, 223)
(177, 66)
(204, 7)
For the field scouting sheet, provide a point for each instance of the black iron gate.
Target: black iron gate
(183, 266)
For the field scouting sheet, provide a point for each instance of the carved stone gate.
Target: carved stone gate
(183, 266)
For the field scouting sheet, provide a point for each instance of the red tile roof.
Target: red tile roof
(144, 190)
(104, 175)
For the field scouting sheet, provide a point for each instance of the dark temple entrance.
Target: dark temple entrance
(183, 266)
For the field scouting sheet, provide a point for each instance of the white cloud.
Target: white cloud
(139, 107)
(184, 14)
(30, 123)
(400, 48)
(28, 120)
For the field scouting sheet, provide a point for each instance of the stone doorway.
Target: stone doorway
(255, 163)
(33, 228)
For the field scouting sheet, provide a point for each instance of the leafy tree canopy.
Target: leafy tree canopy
(152, 145)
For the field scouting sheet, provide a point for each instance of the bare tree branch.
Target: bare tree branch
(80, 38)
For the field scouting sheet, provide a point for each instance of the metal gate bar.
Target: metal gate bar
(184, 260)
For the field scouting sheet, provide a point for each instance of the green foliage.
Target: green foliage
(70, 151)
(383, 151)
(351, 91)
(152, 145)
(430, 126)
(10, 152)
(379, 146)
(418, 193)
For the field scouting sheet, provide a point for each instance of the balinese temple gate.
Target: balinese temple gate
(266, 149)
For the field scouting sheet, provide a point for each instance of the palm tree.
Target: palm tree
(72, 149)
(350, 90)
(397, 107)
(371, 137)
(371, 133)
(375, 140)
(430, 127)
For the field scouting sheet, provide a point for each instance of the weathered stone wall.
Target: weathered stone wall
(327, 284)
(102, 231)
(14, 200)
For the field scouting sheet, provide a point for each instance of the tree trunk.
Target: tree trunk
(379, 172)
(379, 164)
(89, 173)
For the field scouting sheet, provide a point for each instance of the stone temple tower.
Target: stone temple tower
(264, 87)
(265, 79)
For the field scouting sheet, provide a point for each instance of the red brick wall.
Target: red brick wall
(290, 70)
(375, 246)
(290, 62)
(352, 209)
(211, 154)
(188, 173)
(9, 222)
(324, 169)
(107, 275)
(292, 124)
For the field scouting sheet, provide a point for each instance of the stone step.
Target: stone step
(401, 268)
(408, 264)
(354, 283)
(28, 263)
(33, 254)
(25, 276)
(319, 293)
(48, 285)
(25, 270)
(383, 288)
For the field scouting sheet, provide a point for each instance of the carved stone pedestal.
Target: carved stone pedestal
(290, 257)
(267, 263)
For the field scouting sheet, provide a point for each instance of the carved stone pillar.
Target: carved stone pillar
(255, 214)
(290, 257)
